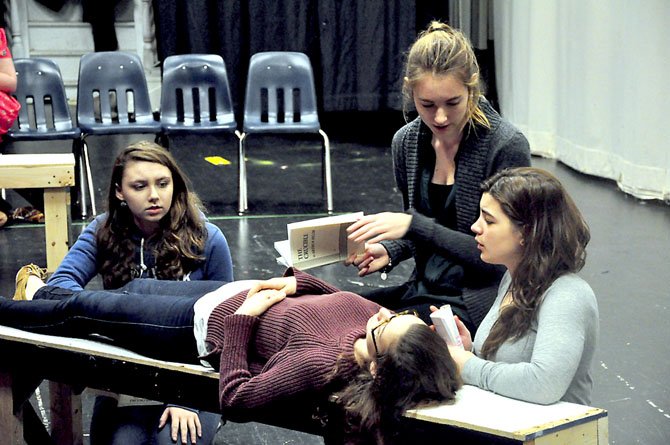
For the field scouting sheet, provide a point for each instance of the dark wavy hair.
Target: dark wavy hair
(180, 241)
(554, 236)
(416, 370)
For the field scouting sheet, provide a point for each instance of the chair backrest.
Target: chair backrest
(195, 92)
(41, 92)
(172, 61)
(112, 89)
(280, 94)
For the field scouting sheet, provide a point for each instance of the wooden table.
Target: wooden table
(490, 418)
(54, 173)
(77, 364)
(477, 416)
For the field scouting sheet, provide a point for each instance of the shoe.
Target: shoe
(28, 214)
(22, 279)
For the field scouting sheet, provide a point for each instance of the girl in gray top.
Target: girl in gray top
(538, 340)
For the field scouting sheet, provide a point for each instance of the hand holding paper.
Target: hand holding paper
(319, 241)
(445, 325)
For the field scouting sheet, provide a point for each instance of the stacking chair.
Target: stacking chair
(174, 61)
(195, 96)
(44, 114)
(112, 98)
(280, 98)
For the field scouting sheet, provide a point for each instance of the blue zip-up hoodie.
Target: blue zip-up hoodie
(80, 265)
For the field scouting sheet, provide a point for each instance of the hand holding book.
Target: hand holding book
(319, 241)
(374, 259)
(380, 227)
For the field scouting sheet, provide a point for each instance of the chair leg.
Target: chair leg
(162, 140)
(81, 179)
(242, 204)
(327, 177)
(89, 179)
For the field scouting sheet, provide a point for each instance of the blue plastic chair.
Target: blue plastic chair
(112, 98)
(171, 62)
(195, 96)
(281, 98)
(45, 113)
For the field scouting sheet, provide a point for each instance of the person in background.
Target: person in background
(153, 228)
(440, 158)
(277, 356)
(5, 211)
(8, 85)
(539, 338)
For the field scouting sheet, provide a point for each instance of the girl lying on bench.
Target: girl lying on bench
(270, 350)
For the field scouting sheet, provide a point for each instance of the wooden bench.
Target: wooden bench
(481, 416)
(477, 416)
(54, 173)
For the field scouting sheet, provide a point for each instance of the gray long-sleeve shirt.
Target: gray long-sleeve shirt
(553, 360)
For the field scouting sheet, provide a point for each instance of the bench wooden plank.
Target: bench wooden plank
(55, 173)
(476, 413)
(479, 410)
(37, 170)
(101, 350)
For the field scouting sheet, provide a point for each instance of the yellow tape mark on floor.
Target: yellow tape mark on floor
(217, 160)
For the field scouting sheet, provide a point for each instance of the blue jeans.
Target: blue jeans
(151, 317)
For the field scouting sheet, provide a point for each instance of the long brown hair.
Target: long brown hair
(180, 240)
(554, 236)
(417, 370)
(441, 50)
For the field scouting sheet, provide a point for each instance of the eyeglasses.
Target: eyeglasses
(397, 314)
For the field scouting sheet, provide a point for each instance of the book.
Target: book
(445, 326)
(317, 242)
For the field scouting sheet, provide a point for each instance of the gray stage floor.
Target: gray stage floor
(628, 263)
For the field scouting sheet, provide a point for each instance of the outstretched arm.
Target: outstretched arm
(80, 264)
(218, 261)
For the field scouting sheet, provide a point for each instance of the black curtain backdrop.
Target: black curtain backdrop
(356, 47)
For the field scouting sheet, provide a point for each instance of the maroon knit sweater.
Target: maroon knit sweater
(288, 351)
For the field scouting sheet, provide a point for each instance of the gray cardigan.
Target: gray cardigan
(482, 152)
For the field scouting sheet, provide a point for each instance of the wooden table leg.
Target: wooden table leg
(11, 424)
(66, 415)
(57, 227)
